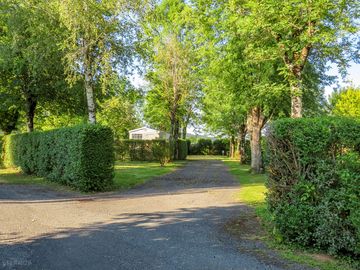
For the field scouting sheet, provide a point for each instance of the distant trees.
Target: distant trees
(346, 102)
(173, 90)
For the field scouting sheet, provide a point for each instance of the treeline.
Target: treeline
(232, 66)
(65, 62)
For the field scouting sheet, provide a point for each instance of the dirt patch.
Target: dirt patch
(246, 226)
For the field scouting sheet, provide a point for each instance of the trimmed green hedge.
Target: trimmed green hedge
(148, 150)
(314, 179)
(80, 156)
(142, 150)
(183, 149)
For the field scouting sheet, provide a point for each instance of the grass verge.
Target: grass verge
(127, 175)
(133, 173)
(252, 192)
(12, 176)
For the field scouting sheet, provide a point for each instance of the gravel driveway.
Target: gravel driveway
(176, 221)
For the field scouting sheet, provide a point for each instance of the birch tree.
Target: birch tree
(100, 37)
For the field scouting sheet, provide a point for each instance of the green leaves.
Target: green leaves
(81, 157)
(346, 103)
(314, 173)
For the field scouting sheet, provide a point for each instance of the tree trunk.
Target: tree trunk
(31, 103)
(256, 122)
(184, 131)
(241, 144)
(89, 88)
(296, 100)
(174, 136)
(90, 97)
(176, 140)
(232, 147)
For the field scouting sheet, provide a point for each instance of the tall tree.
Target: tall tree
(169, 103)
(100, 38)
(30, 59)
(296, 30)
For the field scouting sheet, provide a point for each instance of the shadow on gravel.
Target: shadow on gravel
(188, 238)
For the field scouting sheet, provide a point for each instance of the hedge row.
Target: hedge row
(183, 149)
(81, 156)
(142, 150)
(148, 150)
(209, 147)
(314, 178)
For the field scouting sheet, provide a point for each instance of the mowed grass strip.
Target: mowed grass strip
(127, 175)
(253, 187)
(133, 173)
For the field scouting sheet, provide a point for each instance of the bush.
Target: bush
(220, 146)
(161, 151)
(80, 156)
(314, 177)
(202, 147)
(183, 149)
(143, 150)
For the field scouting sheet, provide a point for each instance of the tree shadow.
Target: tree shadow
(187, 238)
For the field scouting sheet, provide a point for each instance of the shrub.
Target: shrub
(161, 151)
(314, 177)
(143, 150)
(202, 147)
(80, 156)
(220, 146)
(183, 149)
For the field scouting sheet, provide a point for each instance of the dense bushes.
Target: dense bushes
(183, 149)
(314, 177)
(142, 150)
(148, 150)
(208, 147)
(80, 156)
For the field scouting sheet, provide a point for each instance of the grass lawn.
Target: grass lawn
(15, 177)
(252, 192)
(131, 173)
(206, 157)
(127, 175)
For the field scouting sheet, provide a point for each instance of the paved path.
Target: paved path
(173, 222)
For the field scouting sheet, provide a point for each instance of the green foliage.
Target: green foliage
(80, 156)
(119, 114)
(346, 102)
(209, 147)
(314, 174)
(30, 56)
(183, 149)
(9, 119)
(220, 146)
(202, 147)
(143, 150)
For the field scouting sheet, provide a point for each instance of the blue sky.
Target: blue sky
(353, 78)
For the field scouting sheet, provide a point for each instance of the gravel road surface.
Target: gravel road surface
(176, 221)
